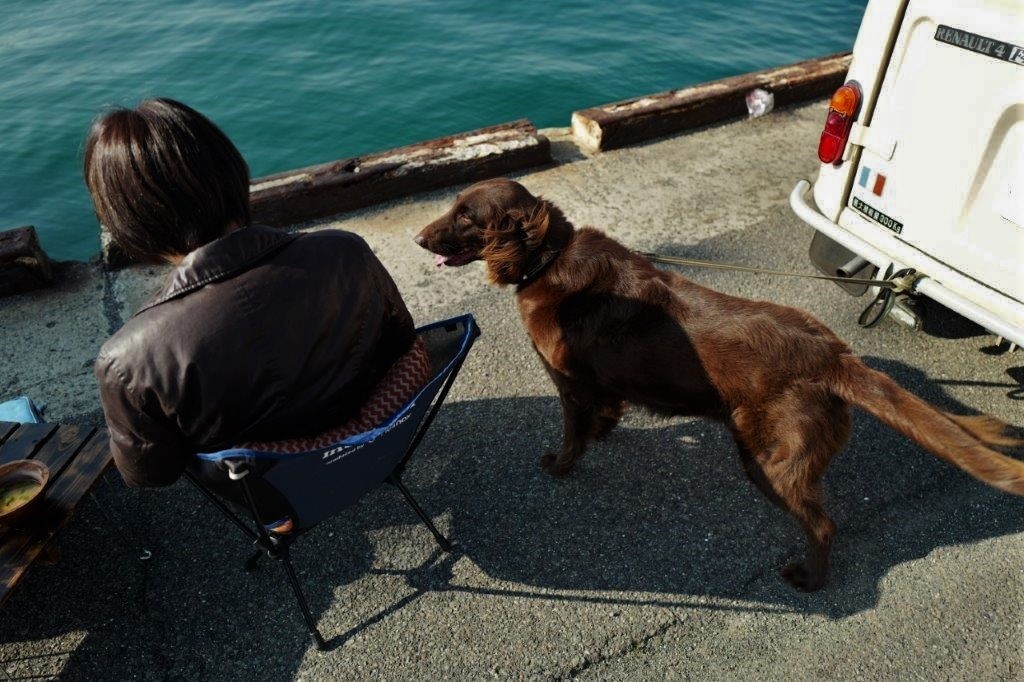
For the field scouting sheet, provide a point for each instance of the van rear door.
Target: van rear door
(945, 166)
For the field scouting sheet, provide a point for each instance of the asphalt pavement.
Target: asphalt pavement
(655, 559)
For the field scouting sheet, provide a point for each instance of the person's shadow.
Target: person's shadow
(660, 514)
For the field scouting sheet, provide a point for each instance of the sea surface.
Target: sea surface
(301, 82)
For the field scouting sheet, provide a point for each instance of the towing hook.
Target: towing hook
(902, 281)
(905, 281)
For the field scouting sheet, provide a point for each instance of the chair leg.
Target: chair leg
(268, 544)
(280, 552)
(441, 540)
(300, 597)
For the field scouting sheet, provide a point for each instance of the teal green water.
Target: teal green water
(297, 83)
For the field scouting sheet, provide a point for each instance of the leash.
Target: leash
(901, 281)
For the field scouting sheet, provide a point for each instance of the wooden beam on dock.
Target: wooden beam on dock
(619, 124)
(327, 189)
(23, 263)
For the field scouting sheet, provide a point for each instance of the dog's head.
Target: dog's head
(497, 221)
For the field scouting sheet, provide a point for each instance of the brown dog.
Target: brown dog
(612, 329)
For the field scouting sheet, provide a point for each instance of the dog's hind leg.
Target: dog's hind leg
(757, 476)
(805, 504)
(745, 431)
(788, 469)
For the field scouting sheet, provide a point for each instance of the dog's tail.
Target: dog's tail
(959, 440)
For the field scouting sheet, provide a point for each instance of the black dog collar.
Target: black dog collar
(539, 268)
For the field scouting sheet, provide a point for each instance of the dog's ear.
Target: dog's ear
(504, 249)
(530, 225)
(511, 238)
(534, 224)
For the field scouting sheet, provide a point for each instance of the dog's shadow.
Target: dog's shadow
(663, 508)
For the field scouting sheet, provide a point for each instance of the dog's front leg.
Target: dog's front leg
(578, 415)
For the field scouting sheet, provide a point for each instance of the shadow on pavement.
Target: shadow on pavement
(666, 510)
(659, 514)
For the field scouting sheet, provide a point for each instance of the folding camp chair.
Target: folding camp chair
(319, 483)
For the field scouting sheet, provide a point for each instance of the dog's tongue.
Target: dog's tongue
(440, 260)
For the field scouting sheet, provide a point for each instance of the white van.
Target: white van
(923, 158)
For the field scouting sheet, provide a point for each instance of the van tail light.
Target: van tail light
(842, 109)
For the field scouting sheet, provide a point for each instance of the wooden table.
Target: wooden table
(77, 457)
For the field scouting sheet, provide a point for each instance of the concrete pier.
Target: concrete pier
(656, 559)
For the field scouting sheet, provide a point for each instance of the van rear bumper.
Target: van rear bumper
(995, 312)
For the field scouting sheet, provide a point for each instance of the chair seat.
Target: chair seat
(316, 479)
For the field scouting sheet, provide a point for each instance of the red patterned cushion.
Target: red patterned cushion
(407, 376)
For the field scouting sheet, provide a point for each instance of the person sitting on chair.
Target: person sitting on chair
(258, 335)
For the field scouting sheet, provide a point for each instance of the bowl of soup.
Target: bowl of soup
(21, 484)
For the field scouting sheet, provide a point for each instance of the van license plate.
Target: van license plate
(873, 213)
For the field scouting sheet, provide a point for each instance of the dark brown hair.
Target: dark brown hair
(164, 179)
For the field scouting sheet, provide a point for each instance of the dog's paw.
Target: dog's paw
(799, 576)
(549, 463)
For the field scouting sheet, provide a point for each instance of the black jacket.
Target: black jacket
(260, 335)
